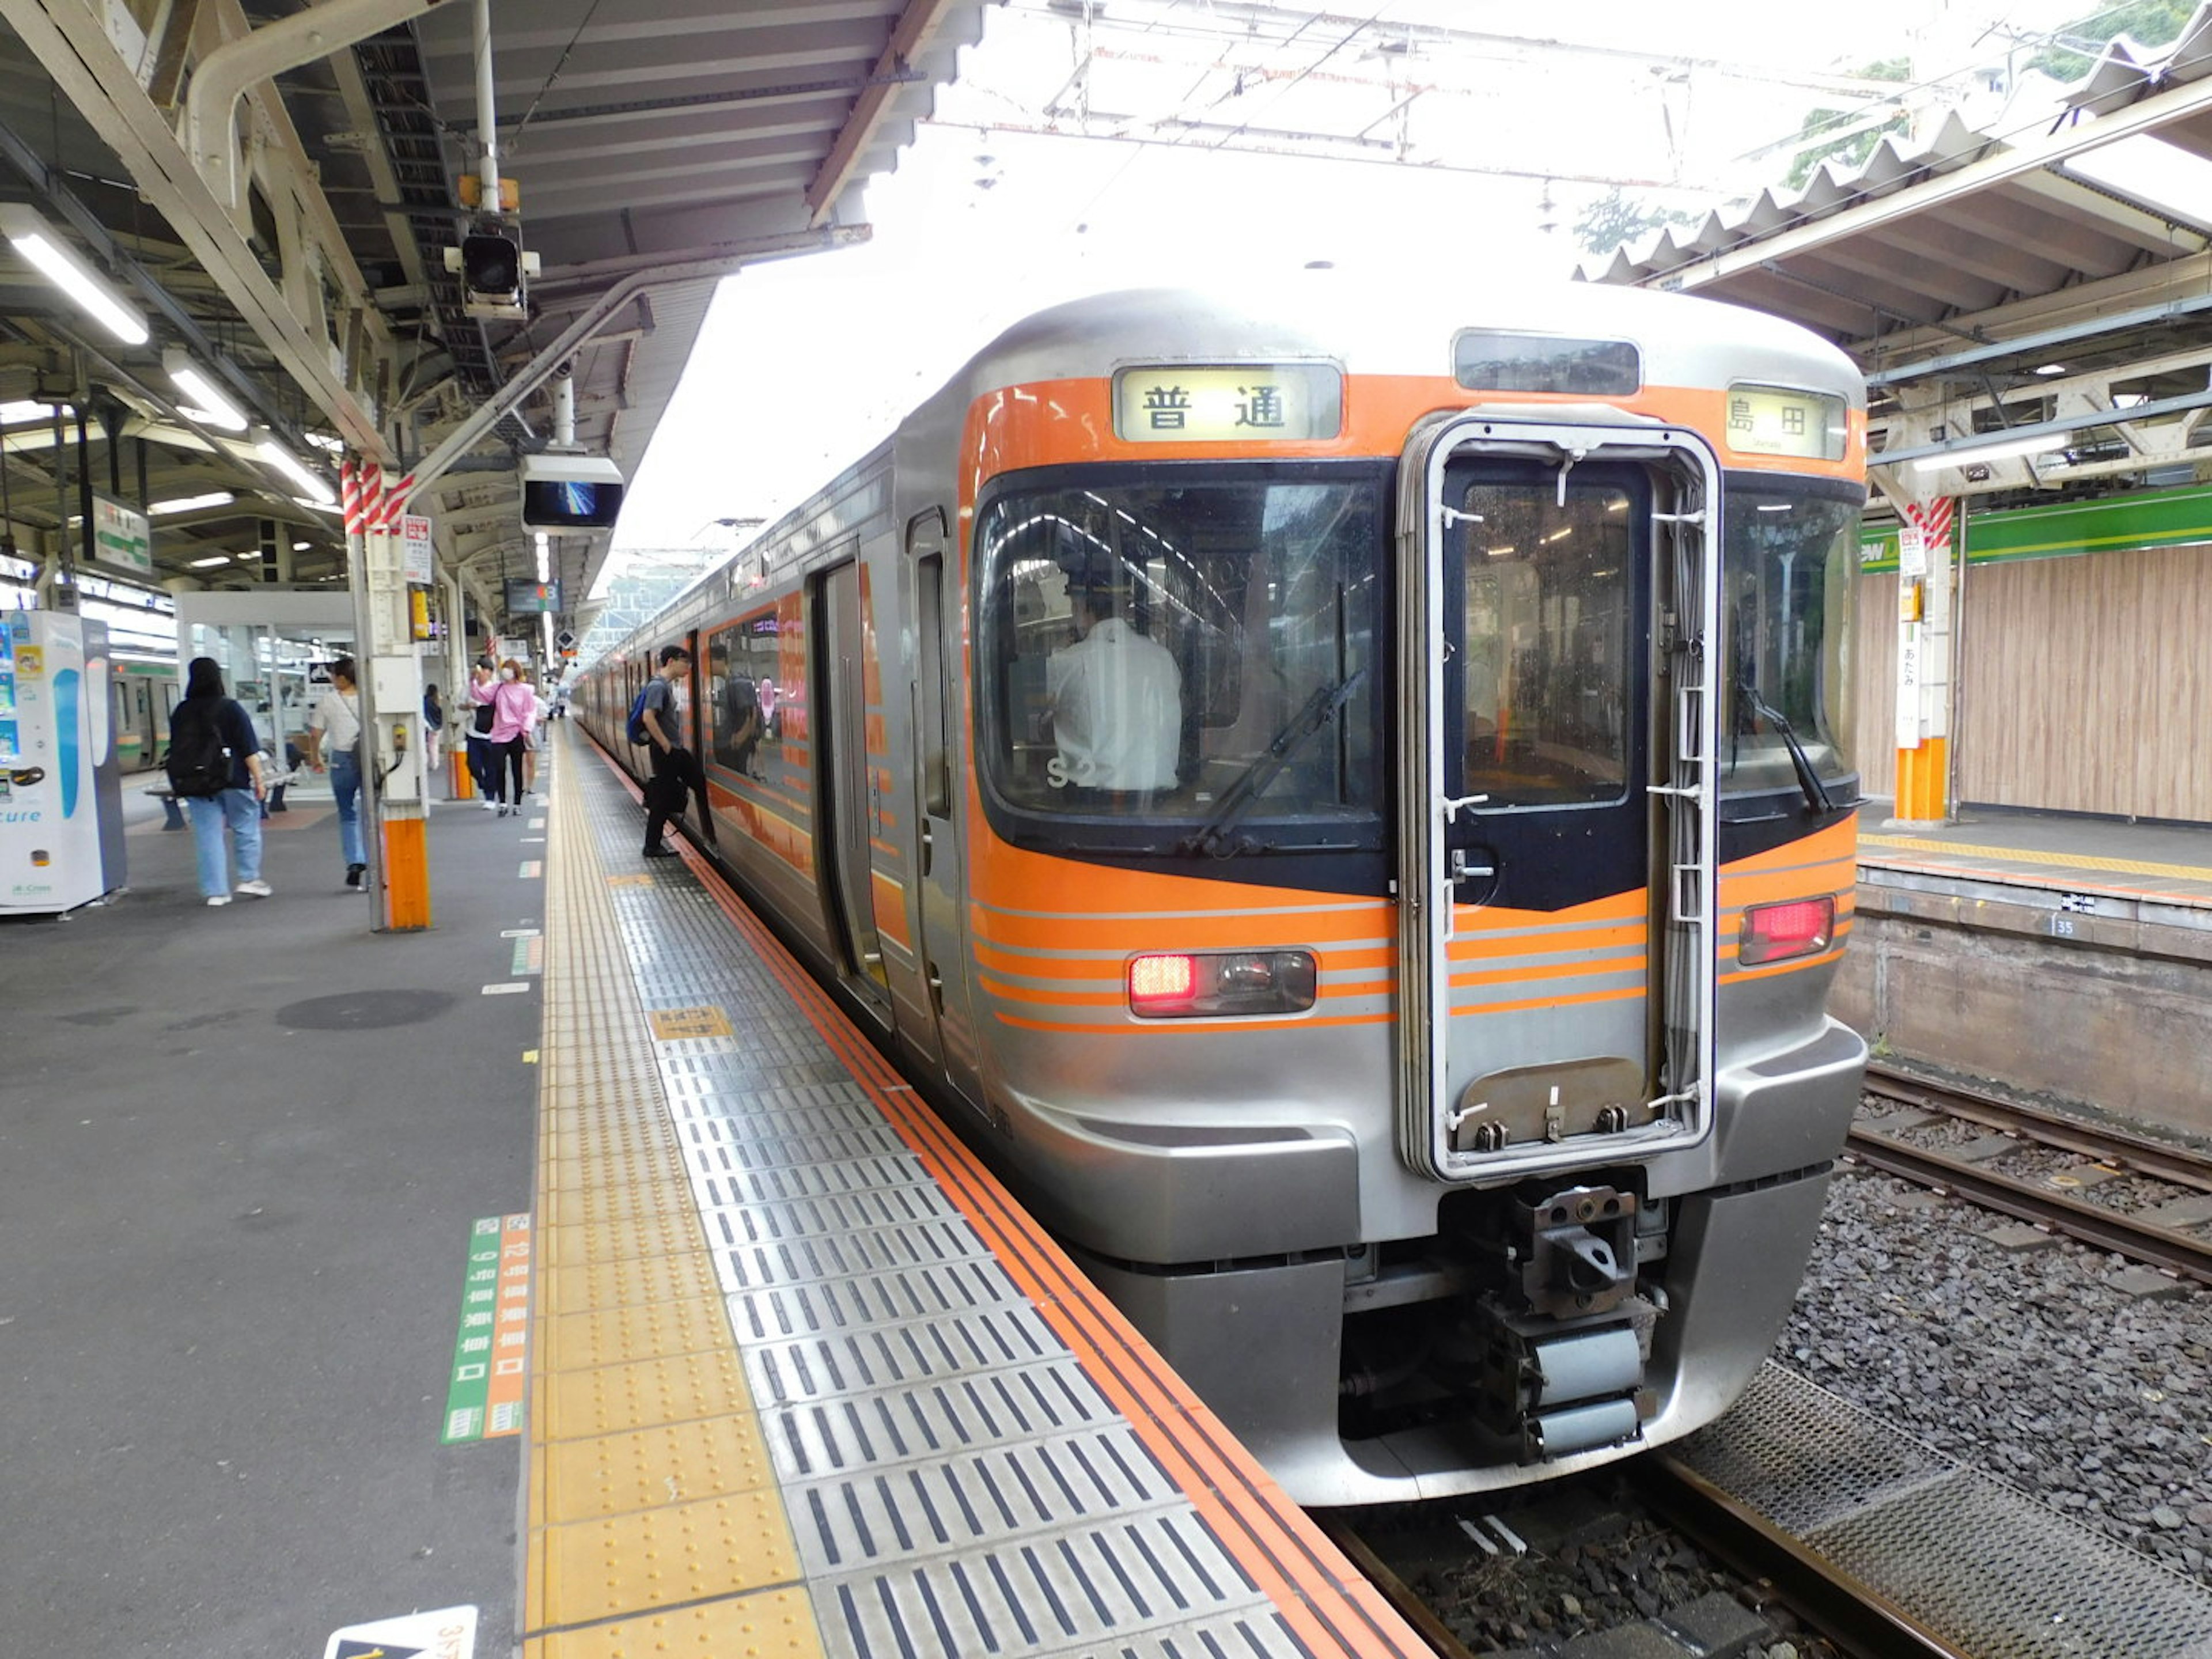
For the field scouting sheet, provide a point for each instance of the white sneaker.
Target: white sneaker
(259, 889)
(490, 805)
(220, 898)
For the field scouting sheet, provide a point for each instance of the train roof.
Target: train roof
(1374, 330)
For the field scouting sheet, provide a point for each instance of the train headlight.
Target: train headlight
(1185, 987)
(1775, 933)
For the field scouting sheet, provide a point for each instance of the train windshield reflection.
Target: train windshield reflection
(1142, 644)
(1790, 567)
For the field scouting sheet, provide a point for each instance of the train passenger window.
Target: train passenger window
(1550, 595)
(1790, 566)
(1166, 646)
(737, 691)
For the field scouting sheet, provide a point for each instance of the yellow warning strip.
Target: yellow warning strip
(655, 1524)
(2023, 856)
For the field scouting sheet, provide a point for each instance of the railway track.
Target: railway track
(1830, 1612)
(2173, 1249)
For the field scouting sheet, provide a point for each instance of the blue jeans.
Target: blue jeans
(208, 814)
(345, 789)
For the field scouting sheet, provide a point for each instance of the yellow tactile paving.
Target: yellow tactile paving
(2024, 855)
(670, 1388)
(660, 1558)
(649, 1468)
(618, 1238)
(607, 1336)
(578, 1202)
(617, 1284)
(772, 1624)
(655, 1527)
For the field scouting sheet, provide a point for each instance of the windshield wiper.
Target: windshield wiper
(1326, 702)
(1816, 793)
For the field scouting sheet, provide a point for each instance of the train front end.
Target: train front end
(1421, 1032)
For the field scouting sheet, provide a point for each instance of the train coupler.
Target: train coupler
(1577, 1251)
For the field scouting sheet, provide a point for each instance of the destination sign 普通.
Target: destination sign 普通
(1233, 403)
(1773, 420)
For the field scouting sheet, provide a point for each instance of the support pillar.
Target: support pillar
(394, 819)
(1925, 625)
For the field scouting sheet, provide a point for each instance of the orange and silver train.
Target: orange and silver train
(1344, 796)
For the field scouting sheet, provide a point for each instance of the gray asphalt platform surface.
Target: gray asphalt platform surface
(241, 1152)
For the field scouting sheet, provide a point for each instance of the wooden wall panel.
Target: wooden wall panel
(1873, 733)
(2086, 683)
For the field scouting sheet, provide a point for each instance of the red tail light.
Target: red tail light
(1775, 933)
(1222, 983)
(1161, 985)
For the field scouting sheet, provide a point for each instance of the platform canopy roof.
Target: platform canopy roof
(2003, 288)
(272, 188)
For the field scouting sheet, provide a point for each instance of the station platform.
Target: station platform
(571, 1280)
(2063, 957)
(2161, 863)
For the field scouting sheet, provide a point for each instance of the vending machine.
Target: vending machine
(61, 795)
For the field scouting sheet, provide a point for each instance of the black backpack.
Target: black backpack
(198, 761)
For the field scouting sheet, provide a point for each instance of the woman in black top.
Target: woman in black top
(239, 804)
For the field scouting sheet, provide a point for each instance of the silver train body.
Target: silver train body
(1421, 1031)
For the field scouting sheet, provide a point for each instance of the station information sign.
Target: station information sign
(1774, 420)
(1186, 402)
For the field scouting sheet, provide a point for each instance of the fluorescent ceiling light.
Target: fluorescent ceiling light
(318, 493)
(192, 503)
(210, 405)
(2160, 176)
(42, 245)
(1997, 449)
(2052, 368)
(211, 562)
(301, 547)
(15, 414)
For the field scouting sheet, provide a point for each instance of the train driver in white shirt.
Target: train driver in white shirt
(1116, 702)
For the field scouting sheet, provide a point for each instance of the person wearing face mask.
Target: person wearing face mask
(514, 712)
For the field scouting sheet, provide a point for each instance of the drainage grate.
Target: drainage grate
(1977, 1562)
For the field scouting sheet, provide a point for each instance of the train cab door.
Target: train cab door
(846, 797)
(1556, 842)
(940, 894)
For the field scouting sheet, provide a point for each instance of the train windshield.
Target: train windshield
(1184, 659)
(1790, 570)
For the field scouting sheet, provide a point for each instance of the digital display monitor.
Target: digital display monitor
(559, 504)
(527, 597)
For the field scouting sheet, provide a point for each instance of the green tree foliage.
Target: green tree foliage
(1614, 218)
(2074, 48)
(1852, 150)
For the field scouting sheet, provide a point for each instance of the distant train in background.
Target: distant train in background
(1343, 795)
(142, 695)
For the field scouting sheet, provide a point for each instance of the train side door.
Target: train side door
(844, 785)
(1557, 944)
(940, 889)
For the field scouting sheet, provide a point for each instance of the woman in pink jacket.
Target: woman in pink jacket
(513, 713)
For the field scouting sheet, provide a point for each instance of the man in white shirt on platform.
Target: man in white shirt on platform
(1116, 700)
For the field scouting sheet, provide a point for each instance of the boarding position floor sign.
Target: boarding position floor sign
(446, 1633)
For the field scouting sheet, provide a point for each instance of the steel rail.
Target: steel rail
(2166, 1247)
(1857, 1618)
(2105, 1145)
(1396, 1590)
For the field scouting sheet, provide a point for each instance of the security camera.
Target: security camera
(493, 267)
